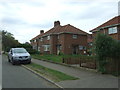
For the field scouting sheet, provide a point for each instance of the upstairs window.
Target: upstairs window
(112, 30)
(41, 39)
(48, 37)
(58, 37)
(35, 40)
(74, 36)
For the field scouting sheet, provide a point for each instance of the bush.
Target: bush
(106, 47)
(32, 51)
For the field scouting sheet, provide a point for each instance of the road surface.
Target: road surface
(15, 76)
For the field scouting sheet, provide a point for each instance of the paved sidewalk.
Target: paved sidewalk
(87, 79)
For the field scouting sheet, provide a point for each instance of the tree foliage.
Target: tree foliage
(106, 47)
(8, 41)
(28, 47)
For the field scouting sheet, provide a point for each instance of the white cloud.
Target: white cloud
(25, 18)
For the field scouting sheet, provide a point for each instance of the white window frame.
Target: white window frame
(39, 48)
(34, 47)
(81, 47)
(112, 30)
(58, 36)
(41, 39)
(74, 36)
(48, 37)
(46, 47)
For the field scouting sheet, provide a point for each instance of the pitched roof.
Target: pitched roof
(37, 36)
(62, 29)
(112, 21)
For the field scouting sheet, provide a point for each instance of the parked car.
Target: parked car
(19, 56)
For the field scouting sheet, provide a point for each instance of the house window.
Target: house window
(35, 47)
(38, 48)
(112, 30)
(84, 48)
(48, 37)
(81, 47)
(74, 36)
(34, 40)
(41, 39)
(90, 44)
(58, 37)
(46, 47)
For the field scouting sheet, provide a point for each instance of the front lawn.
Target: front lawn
(58, 58)
(50, 73)
(54, 58)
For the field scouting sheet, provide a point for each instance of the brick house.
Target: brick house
(65, 39)
(111, 28)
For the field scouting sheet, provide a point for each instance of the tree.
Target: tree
(106, 48)
(8, 41)
(28, 47)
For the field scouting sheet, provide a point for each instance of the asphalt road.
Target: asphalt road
(15, 76)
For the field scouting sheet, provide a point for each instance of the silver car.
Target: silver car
(19, 56)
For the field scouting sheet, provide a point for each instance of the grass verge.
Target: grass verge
(54, 75)
(54, 58)
(58, 58)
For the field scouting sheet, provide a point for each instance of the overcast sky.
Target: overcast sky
(25, 18)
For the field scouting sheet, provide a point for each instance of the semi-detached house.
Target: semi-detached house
(65, 39)
(111, 28)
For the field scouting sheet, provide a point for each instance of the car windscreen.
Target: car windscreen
(19, 51)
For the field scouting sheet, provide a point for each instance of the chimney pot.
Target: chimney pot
(41, 31)
(56, 23)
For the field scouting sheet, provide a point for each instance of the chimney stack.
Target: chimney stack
(41, 31)
(56, 23)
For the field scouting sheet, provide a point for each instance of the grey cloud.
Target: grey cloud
(93, 11)
(41, 25)
(10, 20)
(99, 10)
(119, 8)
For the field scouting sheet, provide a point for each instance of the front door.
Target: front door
(58, 49)
(75, 49)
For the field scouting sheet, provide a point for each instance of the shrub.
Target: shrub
(106, 47)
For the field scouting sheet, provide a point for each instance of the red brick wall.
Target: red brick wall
(53, 43)
(105, 31)
(68, 41)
